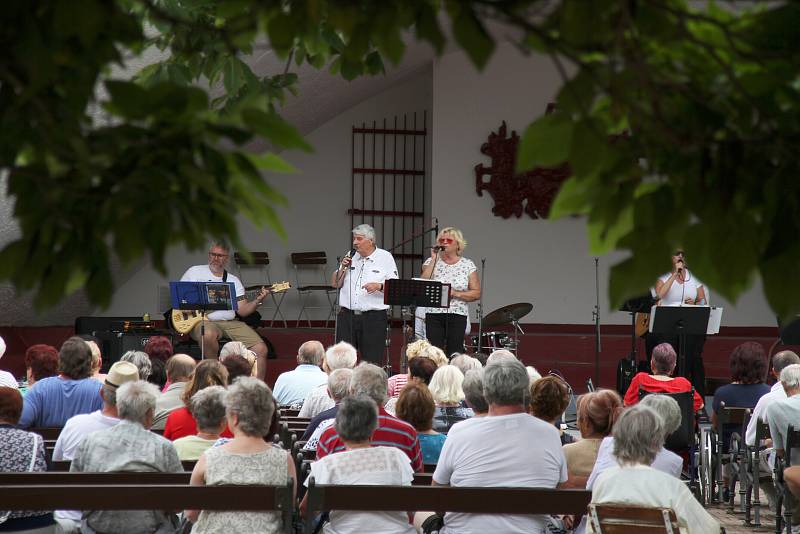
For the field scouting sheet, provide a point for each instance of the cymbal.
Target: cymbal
(508, 314)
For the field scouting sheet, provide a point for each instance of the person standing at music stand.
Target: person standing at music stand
(363, 316)
(445, 326)
(676, 288)
(222, 322)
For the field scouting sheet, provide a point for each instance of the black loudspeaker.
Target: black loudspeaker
(115, 344)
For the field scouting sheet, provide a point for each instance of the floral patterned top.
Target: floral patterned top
(269, 467)
(457, 275)
(16, 448)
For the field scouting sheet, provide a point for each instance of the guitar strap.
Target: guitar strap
(224, 276)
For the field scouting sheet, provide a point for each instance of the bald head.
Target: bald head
(311, 353)
(180, 367)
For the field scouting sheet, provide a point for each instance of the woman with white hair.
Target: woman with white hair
(445, 326)
(208, 409)
(637, 441)
(141, 360)
(362, 463)
(246, 459)
(447, 393)
(666, 461)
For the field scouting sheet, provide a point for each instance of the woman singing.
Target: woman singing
(680, 287)
(445, 326)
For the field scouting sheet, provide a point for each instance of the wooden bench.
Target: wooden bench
(150, 491)
(62, 466)
(444, 499)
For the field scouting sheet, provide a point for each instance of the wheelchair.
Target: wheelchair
(686, 442)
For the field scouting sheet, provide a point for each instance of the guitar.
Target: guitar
(642, 324)
(184, 320)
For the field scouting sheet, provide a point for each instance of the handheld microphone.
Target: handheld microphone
(351, 253)
(438, 248)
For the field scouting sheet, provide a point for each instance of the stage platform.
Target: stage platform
(568, 348)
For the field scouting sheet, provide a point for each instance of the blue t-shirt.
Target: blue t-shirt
(53, 400)
(431, 446)
(736, 396)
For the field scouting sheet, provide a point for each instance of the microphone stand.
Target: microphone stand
(480, 310)
(596, 315)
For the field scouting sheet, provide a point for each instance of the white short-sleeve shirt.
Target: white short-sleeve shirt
(529, 455)
(201, 273)
(457, 275)
(377, 267)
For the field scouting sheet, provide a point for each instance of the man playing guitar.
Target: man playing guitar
(224, 321)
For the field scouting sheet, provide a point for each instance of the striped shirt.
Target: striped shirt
(391, 432)
(396, 384)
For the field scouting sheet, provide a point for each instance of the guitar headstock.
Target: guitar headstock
(279, 287)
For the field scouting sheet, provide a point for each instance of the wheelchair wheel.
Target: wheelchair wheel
(706, 468)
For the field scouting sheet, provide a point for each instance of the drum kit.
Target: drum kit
(494, 340)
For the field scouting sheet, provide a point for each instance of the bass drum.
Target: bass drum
(491, 341)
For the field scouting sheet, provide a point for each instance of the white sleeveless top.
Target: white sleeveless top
(678, 293)
(269, 467)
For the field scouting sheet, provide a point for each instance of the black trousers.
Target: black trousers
(446, 331)
(693, 369)
(366, 332)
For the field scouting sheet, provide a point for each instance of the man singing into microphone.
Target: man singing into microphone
(362, 314)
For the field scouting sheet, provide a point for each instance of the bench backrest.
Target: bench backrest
(612, 519)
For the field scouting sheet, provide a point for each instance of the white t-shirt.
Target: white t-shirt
(75, 430)
(457, 275)
(201, 273)
(644, 486)
(8, 380)
(760, 411)
(377, 267)
(678, 293)
(529, 455)
(379, 466)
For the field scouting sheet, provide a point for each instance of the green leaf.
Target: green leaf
(233, 73)
(272, 162)
(470, 33)
(573, 199)
(128, 99)
(546, 142)
(273, 127)
(281, 30)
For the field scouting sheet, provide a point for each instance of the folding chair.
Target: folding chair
(260, 261)
(316, 263)
(734, 457)
(754, 474)
(785, 499)
(615, 519)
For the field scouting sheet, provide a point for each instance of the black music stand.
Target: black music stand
(626, 368)
(789, 332)
(403, 292)
(680, 321)
(204, 297)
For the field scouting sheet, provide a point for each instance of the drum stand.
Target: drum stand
(517, 328)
